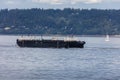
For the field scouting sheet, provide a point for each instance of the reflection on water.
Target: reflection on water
(99, 60)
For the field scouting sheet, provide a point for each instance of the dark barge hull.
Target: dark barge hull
(50, 43)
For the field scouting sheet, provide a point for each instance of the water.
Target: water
(99, 60)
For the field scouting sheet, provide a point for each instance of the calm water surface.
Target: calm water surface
(99, 60)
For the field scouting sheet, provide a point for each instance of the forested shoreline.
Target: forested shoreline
(60, 22)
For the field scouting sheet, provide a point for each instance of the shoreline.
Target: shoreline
(59, 35)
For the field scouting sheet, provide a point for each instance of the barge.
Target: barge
(50, 43)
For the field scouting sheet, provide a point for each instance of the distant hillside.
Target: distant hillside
(67, 21)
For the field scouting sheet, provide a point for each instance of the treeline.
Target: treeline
(56, 21)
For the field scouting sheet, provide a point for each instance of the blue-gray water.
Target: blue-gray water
(99, 60)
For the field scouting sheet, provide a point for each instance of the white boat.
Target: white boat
(107, 38)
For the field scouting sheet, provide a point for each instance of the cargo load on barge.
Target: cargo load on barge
(50, 43)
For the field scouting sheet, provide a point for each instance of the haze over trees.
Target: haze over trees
(56, 21)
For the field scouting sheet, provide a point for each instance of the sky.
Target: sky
(60, 4)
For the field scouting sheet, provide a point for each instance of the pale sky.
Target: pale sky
(82, 4)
